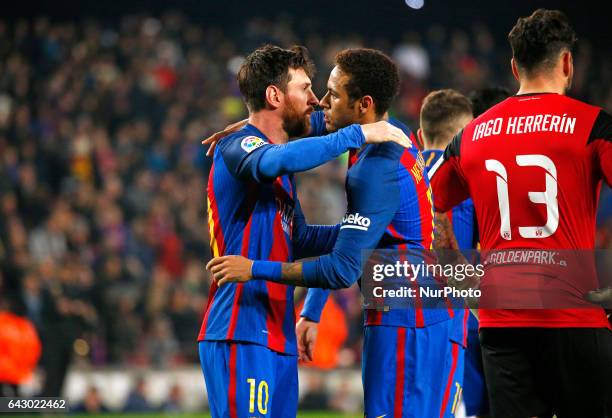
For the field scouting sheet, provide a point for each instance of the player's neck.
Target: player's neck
(541, 84)
(429, 145)
(270, 125)
(370, 117)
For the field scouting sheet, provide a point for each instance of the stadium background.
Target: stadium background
(103, 233)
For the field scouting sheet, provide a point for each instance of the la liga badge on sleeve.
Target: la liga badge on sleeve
(251, 143)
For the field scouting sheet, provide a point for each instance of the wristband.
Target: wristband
(266, 270)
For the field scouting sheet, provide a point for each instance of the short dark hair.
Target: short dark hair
(538, 39)
(439, 113)
(269, 65)
(485, 98)
(372, 73)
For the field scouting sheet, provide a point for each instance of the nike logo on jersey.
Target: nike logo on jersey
(355, 221)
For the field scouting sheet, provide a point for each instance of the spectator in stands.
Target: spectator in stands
(162, 344)
(91, 403)
(174, 400)
(66, 313)
(137, 399)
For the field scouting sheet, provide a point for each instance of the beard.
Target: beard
(295, 124)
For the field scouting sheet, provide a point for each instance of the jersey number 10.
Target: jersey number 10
(548, 197)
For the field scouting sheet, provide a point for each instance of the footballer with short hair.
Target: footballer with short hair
(247, 341)
(389, 208)
(533, 166)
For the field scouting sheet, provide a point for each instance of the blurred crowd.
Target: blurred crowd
(136, 401)
(103, 224)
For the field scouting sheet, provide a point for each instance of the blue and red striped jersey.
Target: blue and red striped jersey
(260, 218)
(411, 226)
(254, 220)
(389, 208)
(461, 216)
(463, 219)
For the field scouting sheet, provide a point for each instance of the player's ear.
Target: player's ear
(568, 63)
(366, 103)
(420, 135)
(568, 68)
(274, 96)
(515, 71)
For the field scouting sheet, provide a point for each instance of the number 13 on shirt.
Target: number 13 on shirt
(548, 197)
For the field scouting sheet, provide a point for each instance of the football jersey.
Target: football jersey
(318, 125)
(260, 218)
(533, 166)
(389, 207)
(462, 216)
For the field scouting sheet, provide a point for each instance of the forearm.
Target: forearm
(444, 242)
(291, 273)
(444, 237)
(314, 304)
(320, 273)
(448, 253)
(305, 154)
(275, 271)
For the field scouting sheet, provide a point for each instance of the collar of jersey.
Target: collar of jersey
(253, 130)
(361, 152)
(534, 94)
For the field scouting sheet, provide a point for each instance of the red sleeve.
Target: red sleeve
(600, 142)
(447, 181)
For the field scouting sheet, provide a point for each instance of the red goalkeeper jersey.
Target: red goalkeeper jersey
(533, 166)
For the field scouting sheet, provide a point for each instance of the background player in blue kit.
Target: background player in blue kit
(247, 339)
(443, 114)
(410, 355)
